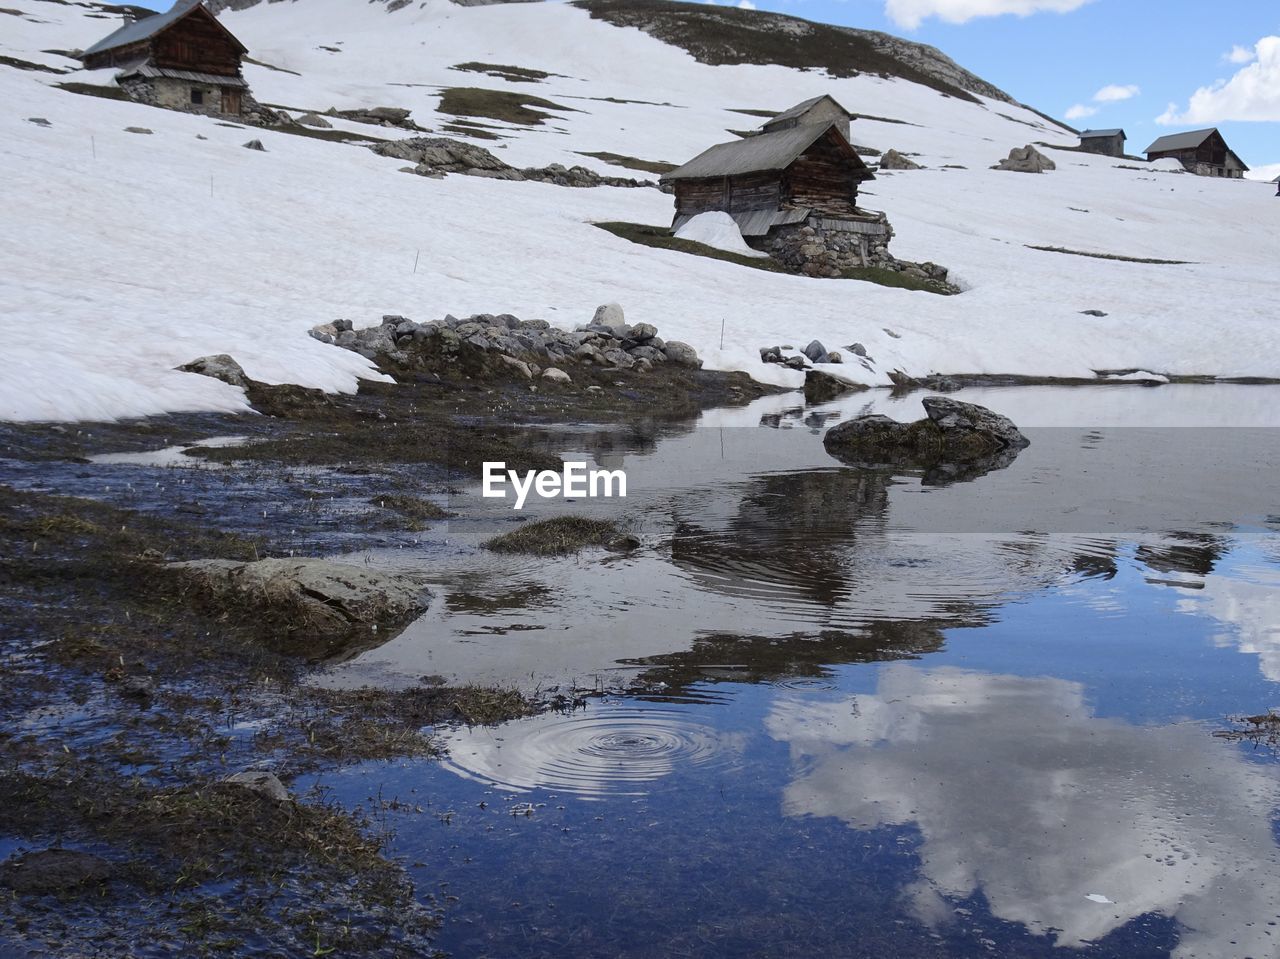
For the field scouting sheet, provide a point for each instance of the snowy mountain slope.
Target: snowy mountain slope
(128, 254)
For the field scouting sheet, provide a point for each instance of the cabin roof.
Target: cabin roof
(802, 108)
(148, 27)
(1091, 134)
(759, 154)
(1181, 141)
(145, 68)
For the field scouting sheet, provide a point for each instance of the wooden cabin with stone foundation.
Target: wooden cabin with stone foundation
(184, 59)
(1202, 152)
(792, 188)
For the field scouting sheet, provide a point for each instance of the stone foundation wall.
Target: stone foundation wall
(814, 249)
(170, 94)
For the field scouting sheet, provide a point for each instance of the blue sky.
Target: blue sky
(1166, 49)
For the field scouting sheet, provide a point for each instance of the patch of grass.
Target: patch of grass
(271, 66)
(413, 507)
(661, 238)
(498, 105)
(557, 537)
(92, 90)
(332, 135)
(1109, 256)
(766, 114)
(28, 65)
(631, 163)
(477, 130)
(505, 72)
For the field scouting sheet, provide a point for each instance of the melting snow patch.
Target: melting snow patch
(719, 230)
(1098, 897)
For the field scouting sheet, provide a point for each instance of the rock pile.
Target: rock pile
(1026, 159)
(377, 116)
(533, 348)
(437, 156)
(815, 352)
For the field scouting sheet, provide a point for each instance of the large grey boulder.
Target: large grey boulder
(610, 315)
(314, 120)
(815, 351)
(1026, 159)
(220, 366)
(260, 783)
(956, 441)
(682, 354)
(321, 595)
(893, 160)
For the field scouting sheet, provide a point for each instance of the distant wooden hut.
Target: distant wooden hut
(1202, 152)
(184, 59)
(1105, 142)
(796, 180)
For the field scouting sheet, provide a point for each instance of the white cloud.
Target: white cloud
(1267, 172)
(1239, 54)
(1252, 94)
(1080, 111)
(1113, 93)
(911, 13)
(746, 5)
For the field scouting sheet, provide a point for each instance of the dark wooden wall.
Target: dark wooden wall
(1105, 146)
(823, 177)
(739, 194)
(197, 43)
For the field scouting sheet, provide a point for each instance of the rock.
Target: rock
(1092, 313)
(610, 315)
(815, 351)
(221, 367)
(587, 353)
(1026, 159)
(795, 362)
(643, 331)
(820, 386)
(318, 595)
(620, 358)
(682, 354)
(261, 783)
(137, 130)
(555, 375)
(835, 357)
(255, 145)
(956, 441)
(142, 688)
(893, 160)
(314, 120)
(649, 354)
(39, 121)
(53, 871)
(857, 349)
(518, 365)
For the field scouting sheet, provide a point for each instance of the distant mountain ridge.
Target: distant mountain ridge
(718, 35)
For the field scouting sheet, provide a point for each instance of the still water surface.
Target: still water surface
(846, 713)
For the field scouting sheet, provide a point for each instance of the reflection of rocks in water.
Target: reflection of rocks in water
(814, 421)
(724, 657)
(788, 536)
(955, 443)
(511, 597)
(1027, 799)
(1183, 552)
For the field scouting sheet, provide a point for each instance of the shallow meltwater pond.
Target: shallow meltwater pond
(839, 712)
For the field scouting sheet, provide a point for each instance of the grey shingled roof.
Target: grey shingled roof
(1181, 141)
(801, 108)
(143, 29)
(1089, 134)
(758, 154)
(148, 69)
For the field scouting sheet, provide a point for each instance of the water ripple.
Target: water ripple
(608, 750)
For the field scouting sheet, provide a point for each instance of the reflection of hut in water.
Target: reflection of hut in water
(789, 537)
(1195, 554)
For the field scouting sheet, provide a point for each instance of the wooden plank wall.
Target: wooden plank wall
(196, 43)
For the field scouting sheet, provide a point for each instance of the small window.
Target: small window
(197, 97)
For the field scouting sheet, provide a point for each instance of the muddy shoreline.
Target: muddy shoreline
(131, 697)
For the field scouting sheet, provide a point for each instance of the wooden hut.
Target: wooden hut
(1202, 152)
(796, 178)
(184, 59)
(1105, 142)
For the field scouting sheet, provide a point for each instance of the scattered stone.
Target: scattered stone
(1026, 159)
(221, 367)
(255, 145)
(820, 386)
(318, 595)
(1092, 313)
(261, 783)
(835, 357)
(815, 351)
(796, 362)
(137, 130)
(377, 116)
(893, 160)
(142, 688)
(314, 120)
(53, 871)
(437, 156)
(39, 121)
(518, 365)
(555, 375)
(857, 349)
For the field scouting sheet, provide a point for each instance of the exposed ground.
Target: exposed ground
(132, 696)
